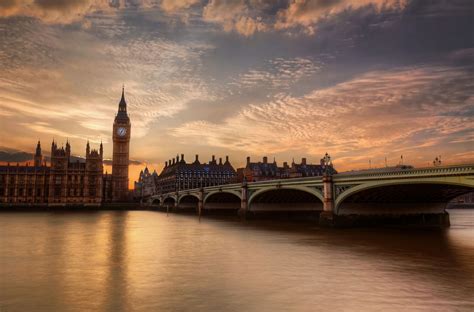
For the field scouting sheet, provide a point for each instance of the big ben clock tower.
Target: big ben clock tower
(120, 159)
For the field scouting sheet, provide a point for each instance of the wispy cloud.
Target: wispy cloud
(359, 79)
(307, 13)
(365, 117)
(279, 73)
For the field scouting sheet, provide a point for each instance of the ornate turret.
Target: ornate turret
(101, 150)
(38, 156)
(88, 149)
(68, 149)
(53, 147)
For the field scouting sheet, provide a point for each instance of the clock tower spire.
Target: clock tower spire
(121, 149)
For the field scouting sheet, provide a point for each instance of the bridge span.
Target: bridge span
(405, 195)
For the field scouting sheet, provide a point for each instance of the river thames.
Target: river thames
(148, 261)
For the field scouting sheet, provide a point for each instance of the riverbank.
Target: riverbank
(45, 207)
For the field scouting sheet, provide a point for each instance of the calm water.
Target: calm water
(147, 261)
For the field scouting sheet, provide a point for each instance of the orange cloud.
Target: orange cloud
(233, 15)
(398, 111)
(52, 11)
(172, 6)
(307, 13)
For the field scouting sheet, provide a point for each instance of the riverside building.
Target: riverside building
(70, 180)
(178, 175)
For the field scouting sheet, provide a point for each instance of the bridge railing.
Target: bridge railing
(466, 169)
(437, 171)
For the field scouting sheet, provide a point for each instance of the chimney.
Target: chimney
(248, 160)
(303, 161)
(213, 159)
(166, 164)
(220, 160)
(197, 158)
(173, 161)
(227, 159)
(265, 159)
(177, 158)
(182, 157)
(285, 164)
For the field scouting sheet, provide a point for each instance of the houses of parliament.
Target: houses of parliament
(67, 182)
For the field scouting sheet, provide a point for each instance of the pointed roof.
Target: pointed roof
(38, 149)
(123, 103)
(122, 115)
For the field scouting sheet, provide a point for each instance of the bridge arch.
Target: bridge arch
(403, 196)
(208, 195)
(191, 197)
(188, 202)
(169, 200)
(282, 198)
(154, 201)
(222, 200)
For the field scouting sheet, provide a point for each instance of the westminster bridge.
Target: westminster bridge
(402, 195)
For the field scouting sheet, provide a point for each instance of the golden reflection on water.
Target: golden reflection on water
(147, 261)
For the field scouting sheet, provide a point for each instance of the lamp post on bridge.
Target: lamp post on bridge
(200, 201)
(244, 201)
(327, 216)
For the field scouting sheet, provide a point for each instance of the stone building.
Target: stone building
(72, 182)
(178, 175)
(146, 184)
(264, 170)
(121, 134)
(63, 182)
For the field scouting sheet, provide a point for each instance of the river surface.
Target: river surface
(148, 261)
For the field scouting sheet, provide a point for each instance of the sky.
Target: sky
(364, 80)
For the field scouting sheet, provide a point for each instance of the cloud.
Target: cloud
(49, 68)
(249, 17)
(66, 11)
(15, 156)
(307, 13)
(279, 73)
(108, 162)
(172, 6)
(245, 17)
(233, 15)
(51, 11)
(407, 109)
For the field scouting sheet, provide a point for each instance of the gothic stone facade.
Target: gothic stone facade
(69, 182)
(63, 182)
(146, 184)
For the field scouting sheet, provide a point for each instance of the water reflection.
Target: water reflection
(142, 261)
(116, 292)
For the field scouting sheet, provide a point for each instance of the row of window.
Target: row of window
(39, 192)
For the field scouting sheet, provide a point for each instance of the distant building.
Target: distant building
(177, 175)
(146, 184)
(466, 199)
(261, 171)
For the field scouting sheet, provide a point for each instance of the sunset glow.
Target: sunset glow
(363, 80)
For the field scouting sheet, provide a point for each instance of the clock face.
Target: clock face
(121, 131)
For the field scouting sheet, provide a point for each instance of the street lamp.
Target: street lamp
(327, 164)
